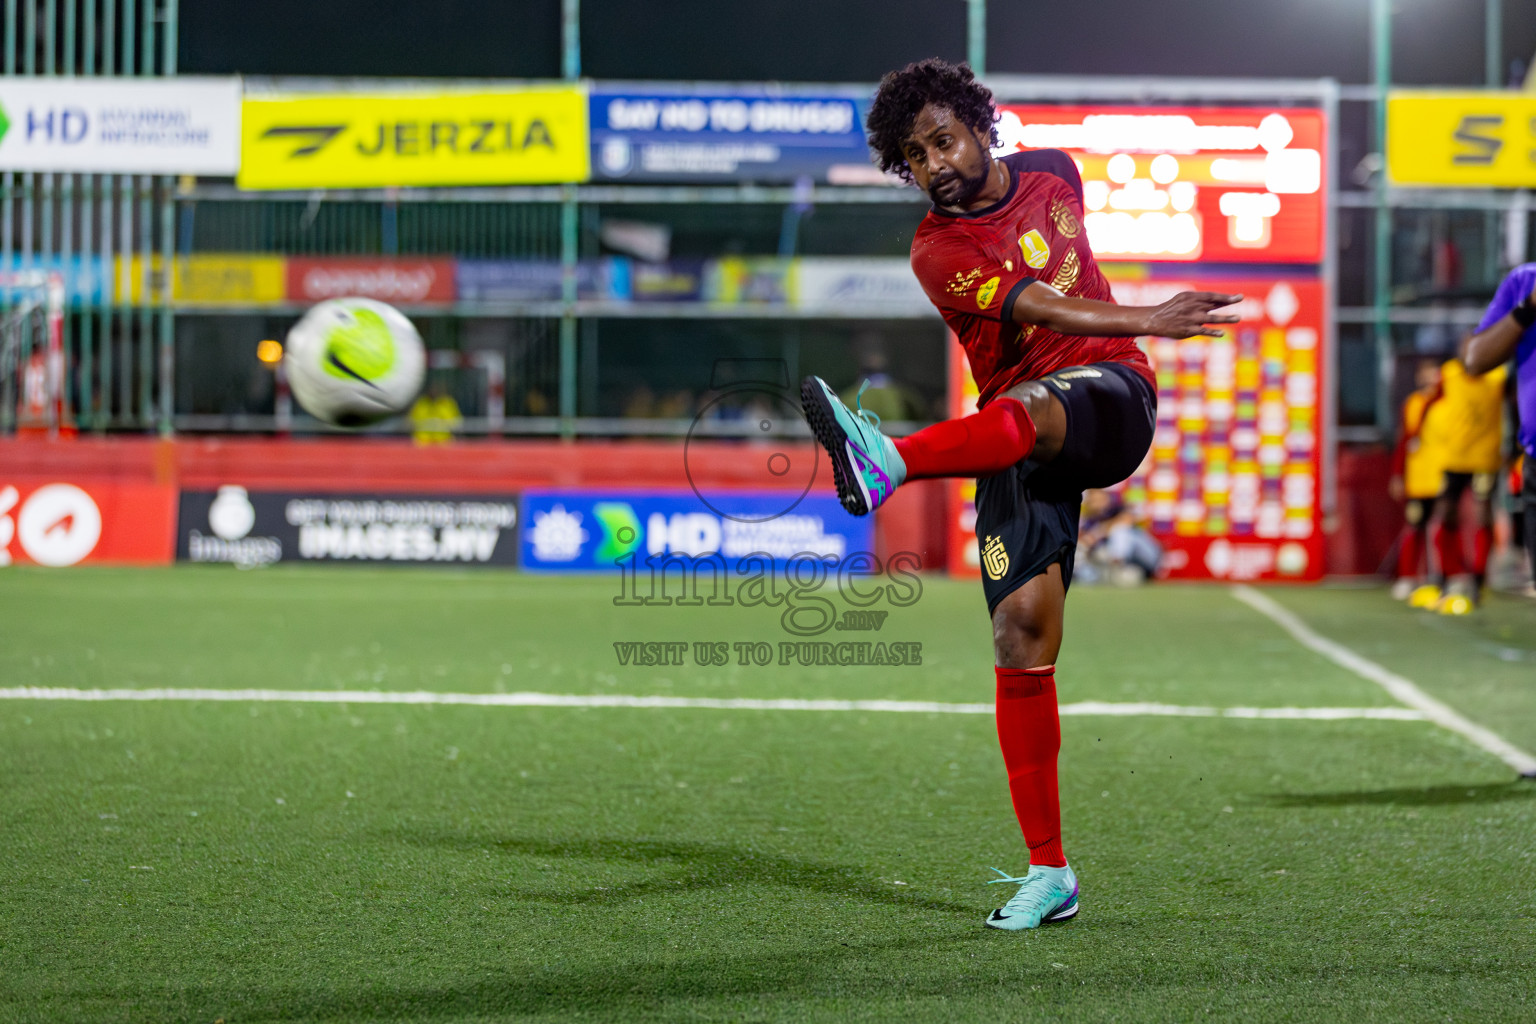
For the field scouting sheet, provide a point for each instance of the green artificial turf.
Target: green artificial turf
(201, 861)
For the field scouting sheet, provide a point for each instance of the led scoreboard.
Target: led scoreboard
(1213, 184)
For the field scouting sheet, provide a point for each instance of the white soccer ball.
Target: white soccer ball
(352, 362)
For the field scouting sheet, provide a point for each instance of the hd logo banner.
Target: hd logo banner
(1473, 139)
(374, 140)
(120, 125)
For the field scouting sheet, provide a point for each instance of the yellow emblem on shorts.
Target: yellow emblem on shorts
(994, 557)
(1036, 253)
(987, 292)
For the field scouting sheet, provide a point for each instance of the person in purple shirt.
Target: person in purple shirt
(1508, 329)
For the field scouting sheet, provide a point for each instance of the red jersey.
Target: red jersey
(974, 265)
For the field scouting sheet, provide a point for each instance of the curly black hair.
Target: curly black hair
(902, 94)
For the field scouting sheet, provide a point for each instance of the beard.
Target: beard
(957, 189)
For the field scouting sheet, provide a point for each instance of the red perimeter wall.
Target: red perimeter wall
(912, 521)
(1360, 536)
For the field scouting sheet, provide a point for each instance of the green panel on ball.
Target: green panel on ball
(363, 349)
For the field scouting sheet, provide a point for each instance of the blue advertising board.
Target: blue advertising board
(539, 280)
(653, 134)
(603, 531)
(85, 277)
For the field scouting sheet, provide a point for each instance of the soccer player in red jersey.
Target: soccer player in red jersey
(1067, 402)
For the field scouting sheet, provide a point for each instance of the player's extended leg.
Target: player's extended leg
(1026, 637)
(1445, 545)
(1528, 496)
(1483, 485)
(867, 466)
(1410, 552)
(1445, 534)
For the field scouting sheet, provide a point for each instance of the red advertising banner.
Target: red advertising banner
(1232, 485)
(60, 523)
(404, 281)
(1216, 184)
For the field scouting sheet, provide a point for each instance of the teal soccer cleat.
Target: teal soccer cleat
(865, 464)
(1045, 895)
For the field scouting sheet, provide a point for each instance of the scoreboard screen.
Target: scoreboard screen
(1231, 487)
(1215, 184)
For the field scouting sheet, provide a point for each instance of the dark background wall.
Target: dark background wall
(1435, 41)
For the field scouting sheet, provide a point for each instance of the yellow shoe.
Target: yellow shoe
(1456, 604)
(1427, 596)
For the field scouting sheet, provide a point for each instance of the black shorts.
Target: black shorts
(1026, 516)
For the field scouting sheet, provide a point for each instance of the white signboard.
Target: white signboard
(832, 285)
(120, 125)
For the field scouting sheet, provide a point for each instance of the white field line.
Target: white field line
(1404, 690)
(564, 700)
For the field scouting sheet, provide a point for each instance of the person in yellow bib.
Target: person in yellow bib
(1416, 479)
(1464, 429)
(435, 416)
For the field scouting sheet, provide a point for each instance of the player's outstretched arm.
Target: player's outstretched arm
(1491, 347)
(1186, 315)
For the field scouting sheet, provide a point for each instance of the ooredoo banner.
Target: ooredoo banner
(243, 527)
(408, 281)
(69, 522)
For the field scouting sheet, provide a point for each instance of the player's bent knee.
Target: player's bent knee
(1047, 414)
(1025, 633)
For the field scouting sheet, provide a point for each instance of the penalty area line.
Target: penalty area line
(603, 700)
(1401, 688)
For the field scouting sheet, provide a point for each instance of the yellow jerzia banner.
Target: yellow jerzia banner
(205, 279)
(1471, 139)
(371, 140)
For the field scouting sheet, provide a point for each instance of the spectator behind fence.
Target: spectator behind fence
(1116, 546)
(435, 416)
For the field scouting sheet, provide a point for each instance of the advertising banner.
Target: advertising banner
(1219, 184)
(400, 280)
(650, 134)
(120, 125)
(1473, 139)
(833, 284)
(533, 135)
(85, 277)
(1232, 485)
(590, 531)
(673, 281)
(205, 279)
(750, 279)
(540, 280)
(260, 527)
(60, 523)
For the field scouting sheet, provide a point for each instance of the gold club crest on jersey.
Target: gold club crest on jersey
(994, 557)
(1036, 253)
(1065, 220)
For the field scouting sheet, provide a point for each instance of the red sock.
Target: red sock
(1482, 543)
(1030, 734)
(980, 445)
(1447, 542)
(1410, 553)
